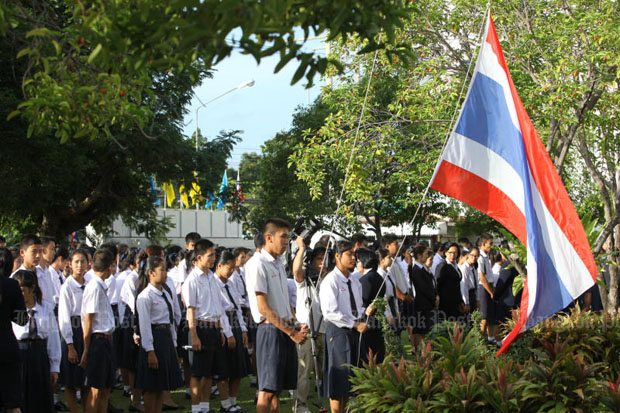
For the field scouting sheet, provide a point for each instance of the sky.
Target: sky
(259, 111)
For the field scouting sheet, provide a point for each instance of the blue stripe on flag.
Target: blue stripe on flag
(484, 127)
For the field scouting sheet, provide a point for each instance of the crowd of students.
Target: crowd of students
(204, 316)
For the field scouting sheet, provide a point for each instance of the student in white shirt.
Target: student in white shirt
(341, 305)
(127, 350)
(391, 310)
(236, 350)
(469, 283)
(158, 366)
(208, 326)
(72, 376)
(39, 347)
(277, 332)
(58, 264)
(308, 283)
(486, 289)
(98, 325)
(31, 250)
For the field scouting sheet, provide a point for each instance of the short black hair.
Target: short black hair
(358, 238)
(387, 239)
(383, 253)
(102, 259)
(62, 252)
(78, 251)
(2, 239)
(441, 247)
(343, 246)
(6, 263)
(453, 244)
(192, 236)
(202, 245)
(45, 240)
(110, 247)
(484, 237)
(238, 251)
(274, 224)
(464, 240)
(367, 257)
(259, 240)
(28, 240)
(224, 257)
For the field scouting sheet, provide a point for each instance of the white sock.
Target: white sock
(204, 407)
(78, 394)
(126, 388)
(233, 400)
(55, 398)
(226, 403)
(187, 390)
(196, 408)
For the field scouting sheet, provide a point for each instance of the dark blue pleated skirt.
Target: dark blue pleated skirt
(168, 376)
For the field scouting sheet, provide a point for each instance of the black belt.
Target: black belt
(158, 326)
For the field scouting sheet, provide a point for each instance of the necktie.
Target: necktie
(245, 290)
(391, 299)
(230, 296)
(352, 300)
(32, 325)
(163, 294)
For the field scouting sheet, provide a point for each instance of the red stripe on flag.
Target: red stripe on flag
(520, 323)
(469, 188)
(546, 177)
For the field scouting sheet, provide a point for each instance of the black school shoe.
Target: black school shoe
(61, 407)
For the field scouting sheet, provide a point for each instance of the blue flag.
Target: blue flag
(154, 191)
(210, 199)
(221, 202)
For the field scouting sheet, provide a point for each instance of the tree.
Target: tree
(56, 189)
(90, 62)
(269, 180)
(391, 143)
(563, 57)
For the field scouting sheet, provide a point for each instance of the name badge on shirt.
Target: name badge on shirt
(343, 290)
(274, 275)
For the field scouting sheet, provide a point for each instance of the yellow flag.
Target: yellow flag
(195, 193)
(184, 196)
(170, 196)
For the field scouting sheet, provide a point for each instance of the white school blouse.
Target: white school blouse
(56, 280)
(69, 305)
(152, 309)
(468, 281)
(238, 280)
(228, 305)
(335, 301)
(95, 301)
(47, 328)
(266, 274)
(201, 292)
(128, 292)
(45, 283)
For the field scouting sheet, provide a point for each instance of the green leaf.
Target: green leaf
(93, 55)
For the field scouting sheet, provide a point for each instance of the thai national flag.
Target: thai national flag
(495, 162)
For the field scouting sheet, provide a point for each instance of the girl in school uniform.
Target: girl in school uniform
(236, 350)
(158, 366)
(39, 347)
(72, 376)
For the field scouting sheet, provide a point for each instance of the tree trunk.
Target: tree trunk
(614, 272)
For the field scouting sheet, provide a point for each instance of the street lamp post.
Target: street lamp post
(247, 83)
